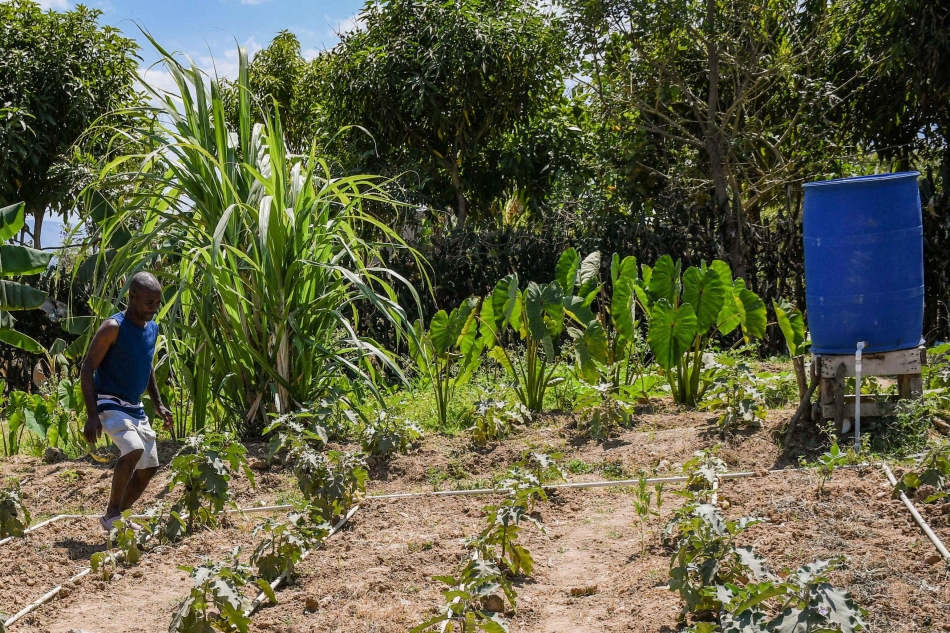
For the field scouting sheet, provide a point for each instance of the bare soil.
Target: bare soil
(376, 574)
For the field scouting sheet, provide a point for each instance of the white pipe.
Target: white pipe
(920, 520)
(259, 600)
(857, 396)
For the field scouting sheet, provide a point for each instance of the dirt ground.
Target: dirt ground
(376, 574)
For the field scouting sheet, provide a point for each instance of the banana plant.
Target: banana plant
(451, 342)
(686, 311)
(536, 316)
(18, 260)
(792, 323)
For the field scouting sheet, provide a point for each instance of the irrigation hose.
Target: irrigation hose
(259, 600)
(919, 519)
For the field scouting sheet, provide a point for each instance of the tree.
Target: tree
(731, 89)
(59, 72)
(436, 82)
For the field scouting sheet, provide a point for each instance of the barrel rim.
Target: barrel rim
(860, 180)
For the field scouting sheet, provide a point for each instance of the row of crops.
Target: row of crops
(718, 580)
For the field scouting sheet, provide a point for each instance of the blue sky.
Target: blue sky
(206, 29)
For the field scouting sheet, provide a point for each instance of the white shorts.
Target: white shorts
(131, 434)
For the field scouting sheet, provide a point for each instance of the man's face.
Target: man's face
(145, 303)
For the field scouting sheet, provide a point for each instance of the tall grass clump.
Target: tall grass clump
(266, 256)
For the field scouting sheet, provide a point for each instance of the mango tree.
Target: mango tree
(687, 311)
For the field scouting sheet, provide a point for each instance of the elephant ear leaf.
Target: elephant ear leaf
(440, 331)
(671, 332)
(545, 312)
(566, 271)
(623, 307)
(590, 348)
(588, 275)
(665, 280)
(792, 323)
(11, 220)
(705, 292)
(752, 314)
(505, 301)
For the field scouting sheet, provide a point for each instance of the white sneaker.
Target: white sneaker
(107, 523)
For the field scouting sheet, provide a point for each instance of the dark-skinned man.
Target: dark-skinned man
(116, 372)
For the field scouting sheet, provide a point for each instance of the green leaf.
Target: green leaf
(267, 589)
(725, 273)
(16, 296)
(12, 219)
(590, 348)
(506, 301)
(792, 323)
(671, 332)
(565, 274)
(752, 314)
(545, 314)
(20, 260)
(21, 341)
(665, 280)
(623, 307)
(440, 331)
(589, 274)
(705, 293)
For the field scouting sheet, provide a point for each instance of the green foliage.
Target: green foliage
(733, 392)
(544, 466)
(14, 517)
(828, 462)
(702, 472)
(448, 353)
(203, 469)
(17, 261)
(437, 84)
(61, 72)
(464, 611)
(642, 498)
(263, 313)
(494, 419)
(933, 470)
(792, 323)
(285, 543)
(536, 316)
(389, 434)
(687, 311)
(216, 586)
(332, 482)
(602, 408)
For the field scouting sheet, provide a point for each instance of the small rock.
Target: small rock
(64, 592)
(137, 573)
(494, 603)
(664, 465)
(70, 585)
(311, 603)
(587, 590)
(371, 461)
(54, 455)
(30, 582)
(725, 505)
(257, 464)
(117, 577)
(881, 494)
(933, 559)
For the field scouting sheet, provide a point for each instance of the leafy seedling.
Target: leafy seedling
(14, 517)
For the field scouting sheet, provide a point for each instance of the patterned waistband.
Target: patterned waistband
(107, 402)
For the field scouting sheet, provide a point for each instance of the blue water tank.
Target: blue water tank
(864, 263)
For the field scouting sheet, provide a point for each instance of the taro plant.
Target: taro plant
(203, 470)
(17, 261)
(494, 419)
(448, 353)
(536, 316)
(388, 434)
(686, 311)
(14, 516)
(792, 323)
(284, 544)
(217, 601)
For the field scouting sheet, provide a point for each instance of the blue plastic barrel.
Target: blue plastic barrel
(864, 263)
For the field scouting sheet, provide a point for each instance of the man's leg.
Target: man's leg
(136, 487)
(121, 478)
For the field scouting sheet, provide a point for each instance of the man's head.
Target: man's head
(145, 297)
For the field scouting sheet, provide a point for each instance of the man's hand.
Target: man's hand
(93, 429)
(166, 416)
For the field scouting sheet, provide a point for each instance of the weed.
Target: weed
(495, 419)
(389, 434)
(69, 476)
(578, 467)
(934, 471)
(641, 505)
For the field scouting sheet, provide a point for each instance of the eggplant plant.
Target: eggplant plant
(284, 544)
(536, 316)
(686, 311)
(14, 517)
(448, 353)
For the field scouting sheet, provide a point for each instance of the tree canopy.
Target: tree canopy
(59, 72)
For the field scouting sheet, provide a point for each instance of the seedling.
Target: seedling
(828, 462)
(14, 517)
(285, 543)
(388, 434)
(494, 420)
(641, 505)
(466, 600)
(933, 470)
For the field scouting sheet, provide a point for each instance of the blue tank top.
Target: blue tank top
(127, 366)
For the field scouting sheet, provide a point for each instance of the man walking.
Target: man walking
(116, 372)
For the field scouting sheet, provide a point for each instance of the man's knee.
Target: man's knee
(133, 455)
(147, 473)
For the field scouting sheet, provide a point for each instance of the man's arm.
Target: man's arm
(105, 338)
(156, 397)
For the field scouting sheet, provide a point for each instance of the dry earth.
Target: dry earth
(377, 574)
